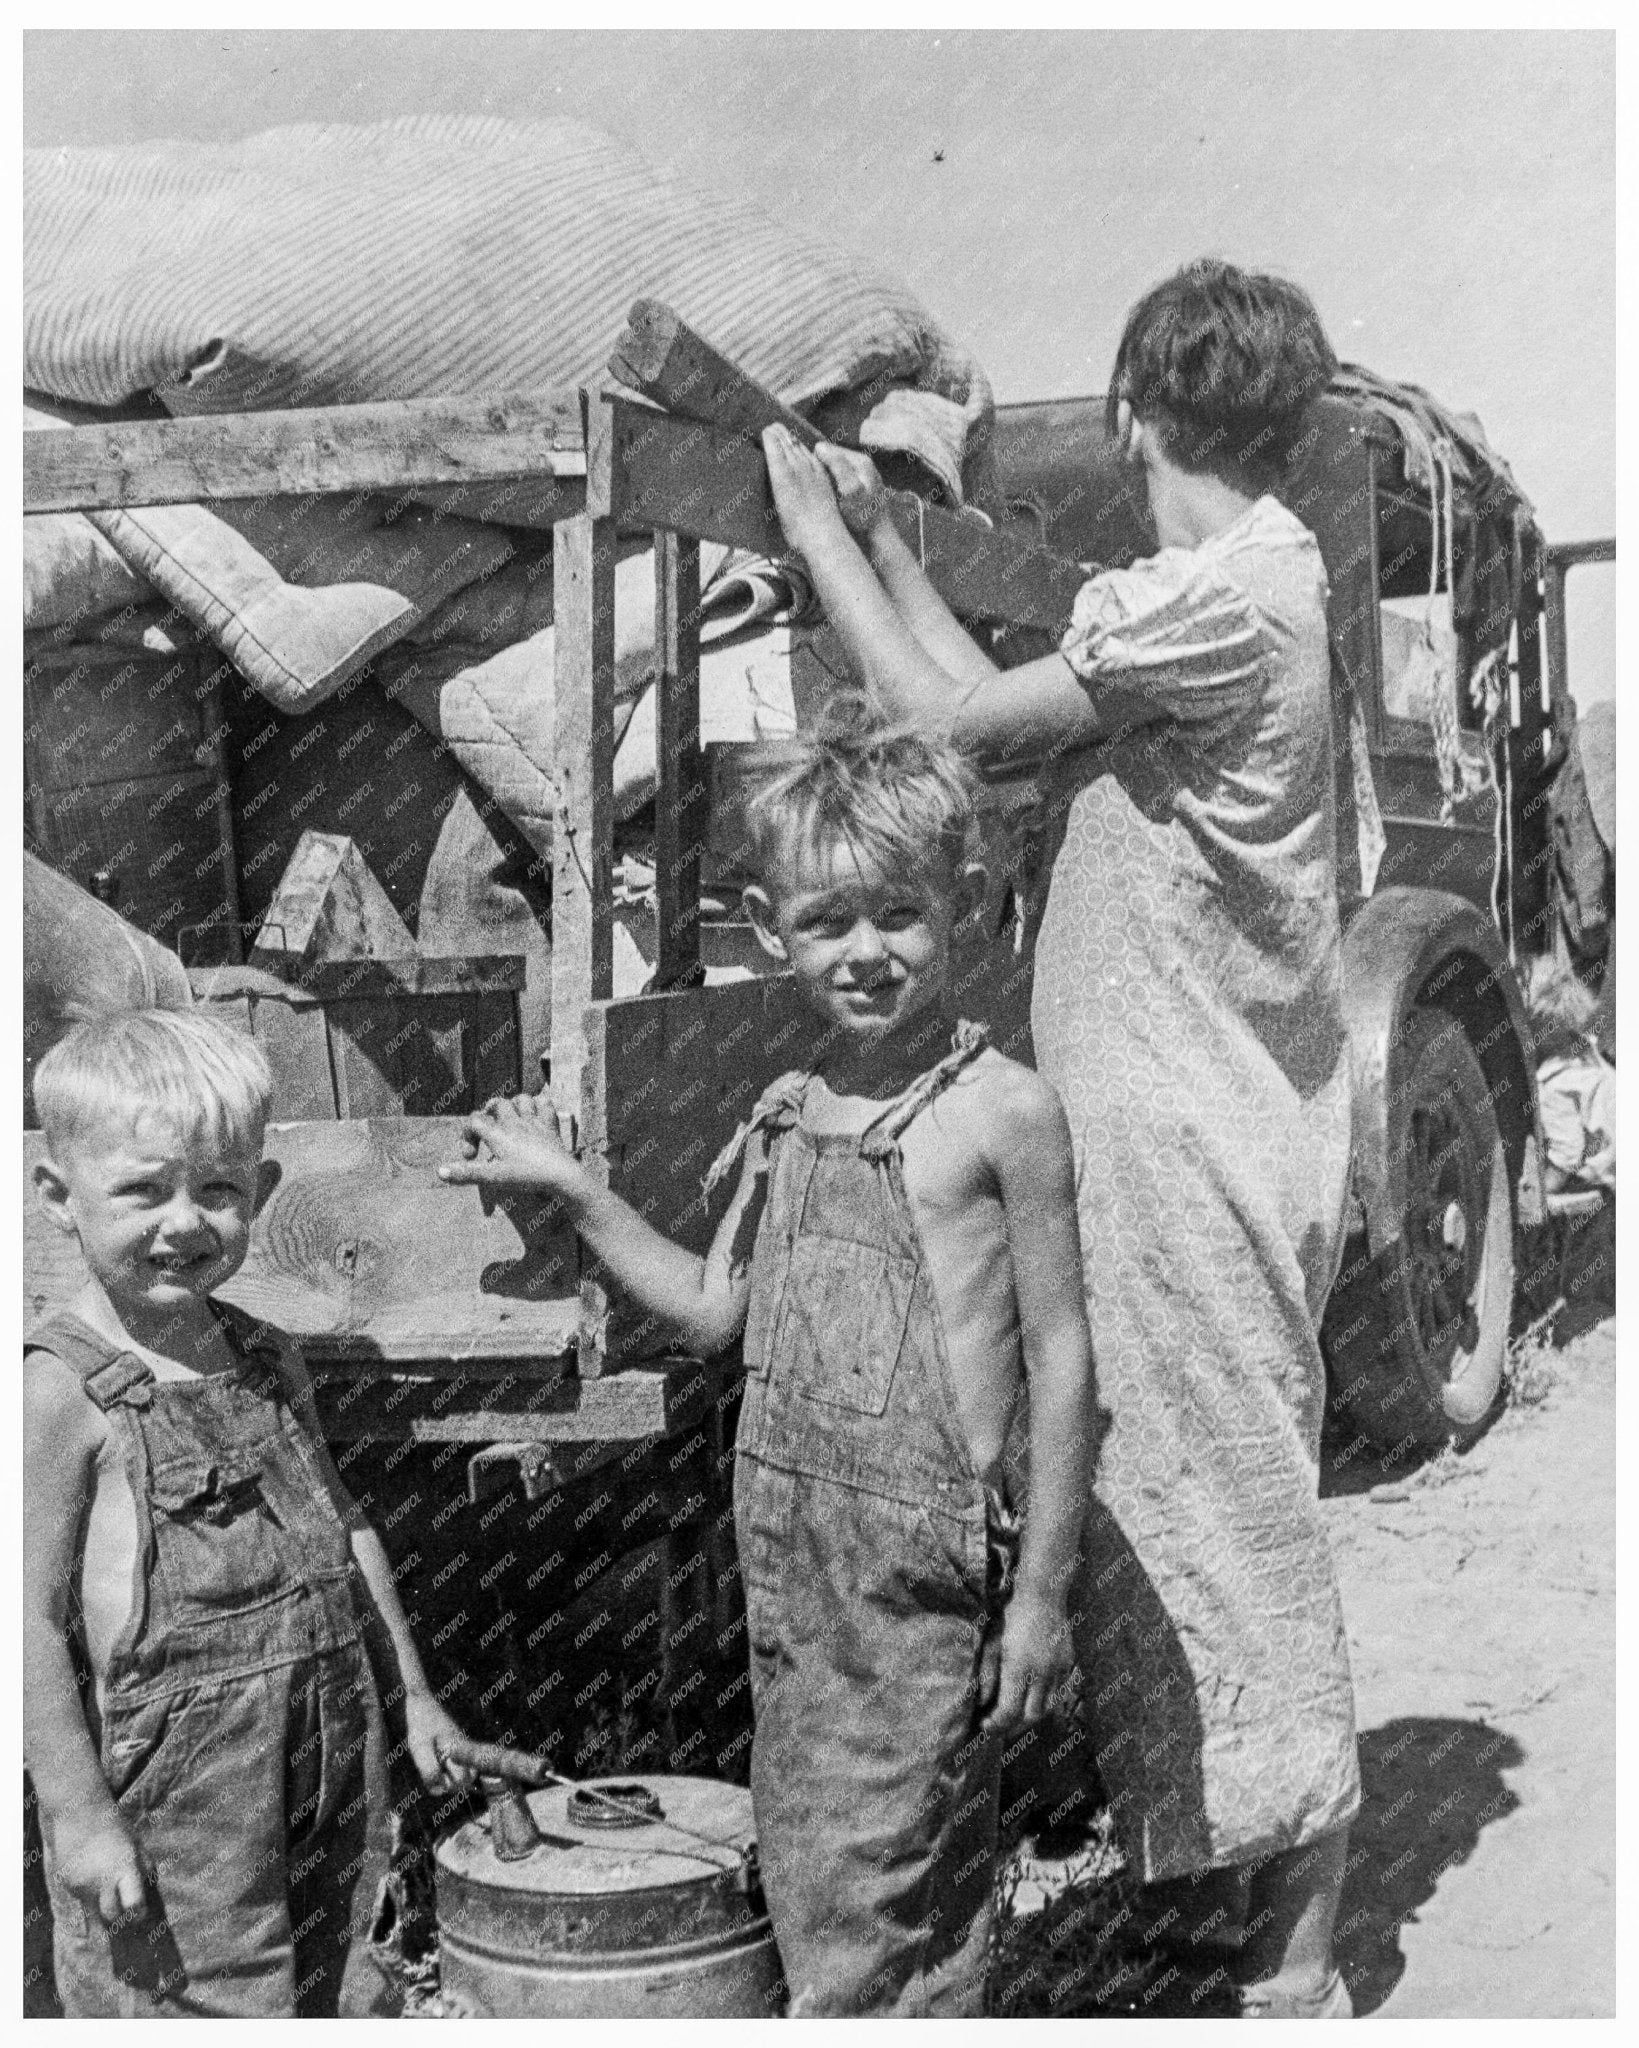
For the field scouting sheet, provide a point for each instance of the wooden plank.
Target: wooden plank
(367, 1042)
(583, 844)
(123, 771)
(298, 1050)
(1565, 554)
(157, 837)
(662, 357)
(324, 981)
(680, 1071)
(680, 811)
(329, 906)
(365, 1254)
(709, 483)
(617, 1407)
(146, 720)
(494, 1048)
(583, 682)
(391, 447)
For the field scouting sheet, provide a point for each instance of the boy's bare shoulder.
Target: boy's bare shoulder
(59, 1417)
(1010, 1088)
(1011, 1103)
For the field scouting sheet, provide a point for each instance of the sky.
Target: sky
(1448, 198)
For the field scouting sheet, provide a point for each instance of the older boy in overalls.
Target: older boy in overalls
(902, 1252)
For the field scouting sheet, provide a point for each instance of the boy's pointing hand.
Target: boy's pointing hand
(513, 1142)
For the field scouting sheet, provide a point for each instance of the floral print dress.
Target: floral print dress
(1188, 1007)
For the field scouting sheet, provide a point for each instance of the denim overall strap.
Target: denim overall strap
(777, 1108)
(968, 1041)
(111, 1378)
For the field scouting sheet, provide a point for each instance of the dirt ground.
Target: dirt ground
(1479, 1593)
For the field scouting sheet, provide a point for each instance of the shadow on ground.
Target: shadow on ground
(1430, 1786)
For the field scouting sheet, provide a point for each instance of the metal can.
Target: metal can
(644, 1902)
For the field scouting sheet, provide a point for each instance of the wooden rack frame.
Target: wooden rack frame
(619, 1071)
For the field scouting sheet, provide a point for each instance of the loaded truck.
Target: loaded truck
(551, 1479)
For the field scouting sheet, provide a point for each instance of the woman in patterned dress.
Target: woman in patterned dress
(1188, 1007)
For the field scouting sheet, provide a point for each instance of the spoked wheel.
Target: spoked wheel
(1418, 1337)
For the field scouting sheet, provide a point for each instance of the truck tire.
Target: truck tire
(1418, 1336)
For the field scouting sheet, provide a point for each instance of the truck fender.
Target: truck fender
(1424, 948)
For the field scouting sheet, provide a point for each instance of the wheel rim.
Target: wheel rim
(1444, 1218)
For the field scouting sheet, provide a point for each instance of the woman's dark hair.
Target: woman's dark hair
(1224, 362)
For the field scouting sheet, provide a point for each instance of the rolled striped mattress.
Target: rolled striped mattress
(335, 264)
(330, 265)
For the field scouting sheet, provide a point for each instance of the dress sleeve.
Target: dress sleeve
(1173, 629)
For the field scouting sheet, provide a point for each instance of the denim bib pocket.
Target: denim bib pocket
(842, 1322)
(220, 1549)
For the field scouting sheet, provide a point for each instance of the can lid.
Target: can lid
(581, 1859)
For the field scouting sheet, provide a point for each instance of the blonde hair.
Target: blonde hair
(190, 1069)
(895, 798)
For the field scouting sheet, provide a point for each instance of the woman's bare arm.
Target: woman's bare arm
(941, 634)
(1003, 715)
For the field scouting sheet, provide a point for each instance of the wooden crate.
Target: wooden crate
(618, 1081)
(366, 1038)
(124, 772)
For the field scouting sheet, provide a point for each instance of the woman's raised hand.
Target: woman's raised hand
(819, 491)
(803, 494)
(862, 496)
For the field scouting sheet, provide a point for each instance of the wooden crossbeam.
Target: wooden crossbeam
(391, 447)
(711, 483)
(624, 1408)
(662, 357)
(707, 483)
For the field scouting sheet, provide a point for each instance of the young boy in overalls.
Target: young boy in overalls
(201, 1718)
(901, 1248)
